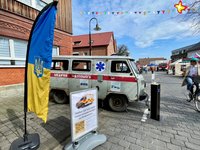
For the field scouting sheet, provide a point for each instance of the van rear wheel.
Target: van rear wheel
(60, 97)
(117, 103)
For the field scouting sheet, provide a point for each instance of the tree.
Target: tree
(122, 50)
(194, 15)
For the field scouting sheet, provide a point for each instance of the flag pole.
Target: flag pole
(31, 141)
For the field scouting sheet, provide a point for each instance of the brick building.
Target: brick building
(16, 20)
(102, 44)
(146, 61)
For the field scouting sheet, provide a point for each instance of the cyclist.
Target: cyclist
(191, 76)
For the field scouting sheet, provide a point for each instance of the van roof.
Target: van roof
(64, 57)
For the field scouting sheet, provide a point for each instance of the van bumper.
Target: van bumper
(144, 96)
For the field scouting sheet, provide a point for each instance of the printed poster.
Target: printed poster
(84, 109)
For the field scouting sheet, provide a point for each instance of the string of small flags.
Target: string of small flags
(192, 10)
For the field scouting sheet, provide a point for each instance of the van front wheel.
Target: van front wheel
(118, 102)
(59, 97)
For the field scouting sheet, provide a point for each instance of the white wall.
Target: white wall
(157, 62)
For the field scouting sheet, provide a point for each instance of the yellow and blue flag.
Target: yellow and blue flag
(38, 63)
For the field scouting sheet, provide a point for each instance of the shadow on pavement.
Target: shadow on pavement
(60, 130)
(15, 120)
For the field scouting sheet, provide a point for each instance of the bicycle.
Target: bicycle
(195, 97)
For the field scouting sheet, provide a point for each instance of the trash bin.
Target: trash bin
(155, 101)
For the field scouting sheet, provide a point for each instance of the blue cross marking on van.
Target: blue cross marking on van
(100, 66)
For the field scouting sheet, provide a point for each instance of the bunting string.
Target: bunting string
(168, 11)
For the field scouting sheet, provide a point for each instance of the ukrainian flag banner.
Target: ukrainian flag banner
(38, 62)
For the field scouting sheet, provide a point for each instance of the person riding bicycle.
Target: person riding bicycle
(192, 75)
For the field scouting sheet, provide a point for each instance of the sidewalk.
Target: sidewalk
(54, 132)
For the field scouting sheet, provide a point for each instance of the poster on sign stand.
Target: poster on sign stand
(84, 120)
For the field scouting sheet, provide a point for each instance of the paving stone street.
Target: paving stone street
(178, 128)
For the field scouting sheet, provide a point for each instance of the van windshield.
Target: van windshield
(134, 67)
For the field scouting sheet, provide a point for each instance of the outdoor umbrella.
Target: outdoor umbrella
(151, 65)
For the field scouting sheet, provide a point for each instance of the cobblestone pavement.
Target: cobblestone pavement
(178, 128)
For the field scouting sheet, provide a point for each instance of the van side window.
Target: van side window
(119, 67)
(81, 65)
(59, 65)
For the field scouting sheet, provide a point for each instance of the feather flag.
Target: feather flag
(38, 62)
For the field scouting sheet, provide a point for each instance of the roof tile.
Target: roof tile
(99, 39)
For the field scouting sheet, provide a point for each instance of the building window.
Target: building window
(92, 41)
(55, 51)
(13, 52)
(77, 42)
(37, 4)
(4, 51)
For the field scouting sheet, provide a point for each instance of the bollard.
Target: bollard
(155, 101)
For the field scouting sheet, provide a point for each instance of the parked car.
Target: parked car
(162, 67)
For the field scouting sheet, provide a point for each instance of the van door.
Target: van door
(80, 75)
(59, 75)
(59, 81)
(140, 79)
(100, 71)
(122, 80)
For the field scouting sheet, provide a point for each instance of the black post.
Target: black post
(90, 38)
(155, 102)
(90, 46)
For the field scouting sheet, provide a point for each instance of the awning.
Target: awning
(176, 62)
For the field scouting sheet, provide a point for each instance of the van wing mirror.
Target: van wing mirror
(131, 74)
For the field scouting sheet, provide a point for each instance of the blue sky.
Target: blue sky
(151, 35)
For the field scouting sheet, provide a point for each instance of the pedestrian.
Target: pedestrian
(152, 70)
(191, 76)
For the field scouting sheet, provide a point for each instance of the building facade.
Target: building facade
(146, 61)
(185, 52)
(16, 20)
(103, 44)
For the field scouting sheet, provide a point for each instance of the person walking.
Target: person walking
(191, 76)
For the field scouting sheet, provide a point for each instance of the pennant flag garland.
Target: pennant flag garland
(167, 11)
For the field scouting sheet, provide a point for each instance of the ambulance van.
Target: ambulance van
(116, 77)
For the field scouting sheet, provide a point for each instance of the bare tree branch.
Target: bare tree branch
(193, 15)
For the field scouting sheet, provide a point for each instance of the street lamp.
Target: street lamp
(97, 28)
